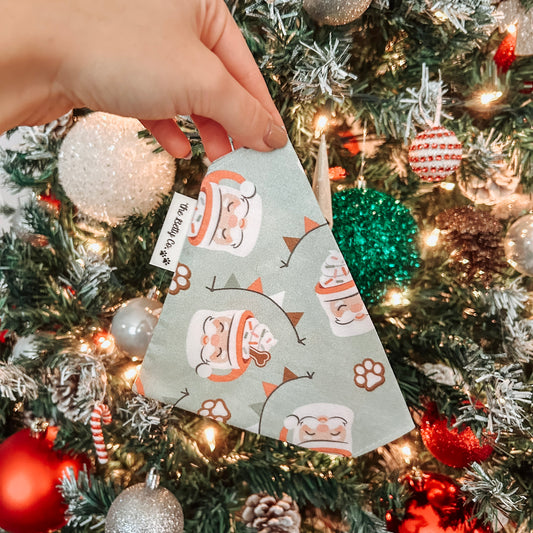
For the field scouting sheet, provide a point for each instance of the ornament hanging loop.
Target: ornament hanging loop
(152, 479)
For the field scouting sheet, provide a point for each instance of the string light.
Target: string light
(407, 453)
(321, 123)
(511, 28)
(490, 97)
(395, 297)
(433, 238)
(440, 16)
(131, 373)
(447, 185)
(95, 247)
(209, 434)
(104, 342)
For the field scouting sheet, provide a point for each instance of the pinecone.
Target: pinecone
(269, 515)
(473, 239)
(63, 391)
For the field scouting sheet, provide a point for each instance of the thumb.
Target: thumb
(223, 99)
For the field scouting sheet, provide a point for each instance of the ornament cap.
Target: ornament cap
(39, 427)
(152, 479)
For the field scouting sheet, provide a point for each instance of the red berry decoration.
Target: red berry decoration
(452, 446)
(435, 154)
(436, 506)
(30, 470)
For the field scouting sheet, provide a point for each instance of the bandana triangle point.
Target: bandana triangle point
(269, 388)
(256, 286)
(288, 375)
(291, 242)
(310, 224)
(257, 408)
(295, 318)
(232, 283)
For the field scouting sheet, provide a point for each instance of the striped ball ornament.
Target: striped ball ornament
(435, 154)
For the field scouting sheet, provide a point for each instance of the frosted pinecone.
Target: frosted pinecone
(270, 515)
(63, 391)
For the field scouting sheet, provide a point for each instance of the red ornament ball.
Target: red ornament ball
(452, 446)
(435, 154)
(436, 506)
(30, 470)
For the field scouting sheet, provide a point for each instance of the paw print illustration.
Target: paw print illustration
(369, 375)
(215, 409)
(181, 280)
(164, 255)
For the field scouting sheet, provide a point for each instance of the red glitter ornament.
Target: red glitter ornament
(505, 55)
(452, 446)
(30, 470)
(435, 154)
(436, 506)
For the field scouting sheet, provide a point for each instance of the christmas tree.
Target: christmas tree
(423, 112)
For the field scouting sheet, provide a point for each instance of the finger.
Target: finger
(220, 97)
(214, 137)
(170, 137)
(234, 53)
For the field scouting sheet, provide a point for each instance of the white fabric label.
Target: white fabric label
(168, 248)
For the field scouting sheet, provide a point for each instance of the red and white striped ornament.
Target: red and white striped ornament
(435, 154)
(101, 414)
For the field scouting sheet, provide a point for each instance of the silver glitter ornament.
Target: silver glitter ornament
(108, 172)
(335, 12)
(518, 245)
(145, 508)
(133, 325)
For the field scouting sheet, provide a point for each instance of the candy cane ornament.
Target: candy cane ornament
(101, 414)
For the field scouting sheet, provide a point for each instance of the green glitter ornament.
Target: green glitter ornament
(377, 236)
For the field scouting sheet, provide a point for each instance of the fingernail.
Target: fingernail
(275, 136)
(188, 157)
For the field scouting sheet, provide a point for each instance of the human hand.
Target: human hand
(150, 60)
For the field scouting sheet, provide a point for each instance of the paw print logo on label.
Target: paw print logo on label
(215, 409)
(181, 280)
(369, 375)
(164, 255)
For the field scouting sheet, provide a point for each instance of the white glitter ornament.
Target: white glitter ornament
(499, 185)
(335, 12)
(145, 508)
(108, 172)
(435, 154)
(518, 245)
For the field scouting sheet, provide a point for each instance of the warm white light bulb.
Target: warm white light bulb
(447, 185)
(321, 123)
(433, 238)
(441, 16)
(130, 374)
(209, 434)
(511, 28)
(489, 97)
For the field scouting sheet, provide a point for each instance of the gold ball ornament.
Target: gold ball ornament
(518, 245)
(335, 12)
(108, 172)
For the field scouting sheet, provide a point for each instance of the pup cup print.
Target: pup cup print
(340, 298)
(228, 214)
(222, 344)
(323, 427)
